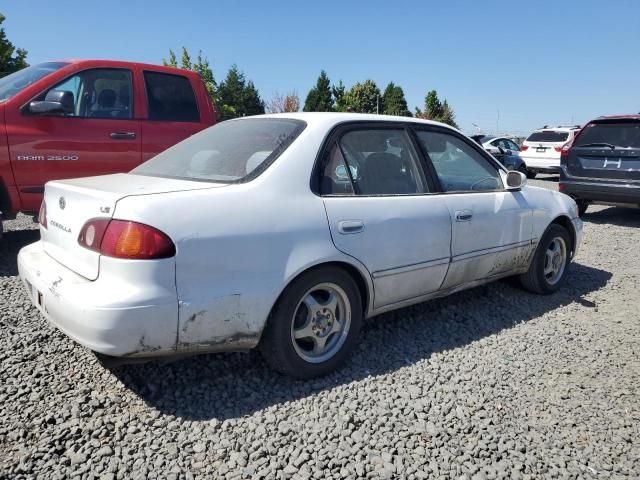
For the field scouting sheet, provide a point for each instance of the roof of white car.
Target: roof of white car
(339, 117)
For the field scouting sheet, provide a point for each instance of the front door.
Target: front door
(491, 227)
(382, 211)
(100, 136)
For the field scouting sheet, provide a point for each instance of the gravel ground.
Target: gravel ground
(489, 383)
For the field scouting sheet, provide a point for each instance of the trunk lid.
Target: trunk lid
(544, 143)
(70, 203)
(592, 155)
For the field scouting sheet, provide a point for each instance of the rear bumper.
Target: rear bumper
(603, 192)
(542, 164)
(116, 315)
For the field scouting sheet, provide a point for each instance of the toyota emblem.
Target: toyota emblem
(62, 202)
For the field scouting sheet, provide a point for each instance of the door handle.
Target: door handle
(122, 135)
(347, 227)
(464, 215)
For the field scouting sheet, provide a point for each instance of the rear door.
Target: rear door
(491, 227)
(101, 135)
(172, 111)
(606, 149)
(382, 210)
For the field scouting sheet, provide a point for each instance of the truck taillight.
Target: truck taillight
(524, 148)
(42, 215)
(125, 239)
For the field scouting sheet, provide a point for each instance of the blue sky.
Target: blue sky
(536, 63)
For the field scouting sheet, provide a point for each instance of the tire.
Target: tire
(302, 338)
(523, 169)
(531, 174)
(550, 263)
(582, 206)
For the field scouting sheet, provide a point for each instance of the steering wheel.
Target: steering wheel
(482, 180)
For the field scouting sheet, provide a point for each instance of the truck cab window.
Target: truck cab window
(171, 98)
(99, 93)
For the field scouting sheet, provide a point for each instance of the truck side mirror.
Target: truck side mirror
(55, 102)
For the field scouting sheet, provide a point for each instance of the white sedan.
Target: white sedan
(283, 232)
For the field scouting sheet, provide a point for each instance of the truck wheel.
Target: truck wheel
(548, 269)
(314, 325)
(531, 174)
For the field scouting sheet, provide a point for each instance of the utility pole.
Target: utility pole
(377, 104)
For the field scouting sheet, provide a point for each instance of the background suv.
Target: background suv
(541, 150)
(603, 163)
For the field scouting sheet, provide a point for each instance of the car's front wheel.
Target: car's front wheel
(314, 325)
(550, 263)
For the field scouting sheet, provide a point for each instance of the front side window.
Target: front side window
(229, 152)
(99, 93)
(18, 81)
(460, 168)
(171, 98)
(373, 162)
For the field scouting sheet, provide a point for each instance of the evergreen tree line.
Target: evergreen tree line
(12, 59)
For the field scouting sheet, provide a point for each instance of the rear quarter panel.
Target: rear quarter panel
(238, 246)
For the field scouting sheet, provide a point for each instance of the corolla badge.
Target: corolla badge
(62, 202)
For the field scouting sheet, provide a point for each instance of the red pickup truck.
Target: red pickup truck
(78, 118)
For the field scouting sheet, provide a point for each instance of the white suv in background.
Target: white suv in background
(541, 150)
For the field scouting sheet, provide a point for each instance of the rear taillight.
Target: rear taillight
(42, 215)
(559, 149)
(124, 239)
(560, 187)
(524, 148)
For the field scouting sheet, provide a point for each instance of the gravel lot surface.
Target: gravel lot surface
(489, 383)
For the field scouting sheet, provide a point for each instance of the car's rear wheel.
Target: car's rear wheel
(314, 325)
(531, 174)
(523, 169)
(582, 206)
(550, 262)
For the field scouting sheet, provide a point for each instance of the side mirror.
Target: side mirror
(56, 102)
(516, 180)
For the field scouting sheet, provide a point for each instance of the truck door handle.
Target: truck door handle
(464, 215)
(350, 226)
(122, 135)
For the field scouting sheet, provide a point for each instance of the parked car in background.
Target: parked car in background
(284, 232)
(77, 118)
(505, 150)
(541, 150)
(602, 165)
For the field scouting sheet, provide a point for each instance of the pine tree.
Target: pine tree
(239, 97)
(172, 62)
(319, 98)
(339, 92)
(12, 59)
(252, 103)
(365, 98)
(185, 60)
(394, 101)
(436, 110)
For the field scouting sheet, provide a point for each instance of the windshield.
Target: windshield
(550, 136)
(625, 135)
(18, 81)
(229, 152)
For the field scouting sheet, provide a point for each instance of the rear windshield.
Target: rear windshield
(623, 135)
(18, 81)
(229, 152)
(548, 136)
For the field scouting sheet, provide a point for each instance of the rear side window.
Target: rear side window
(171, 98)
(550, 136)
(234, 151)
(373, 162)
(625, 135)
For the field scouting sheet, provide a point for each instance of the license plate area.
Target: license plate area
(541, 149)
